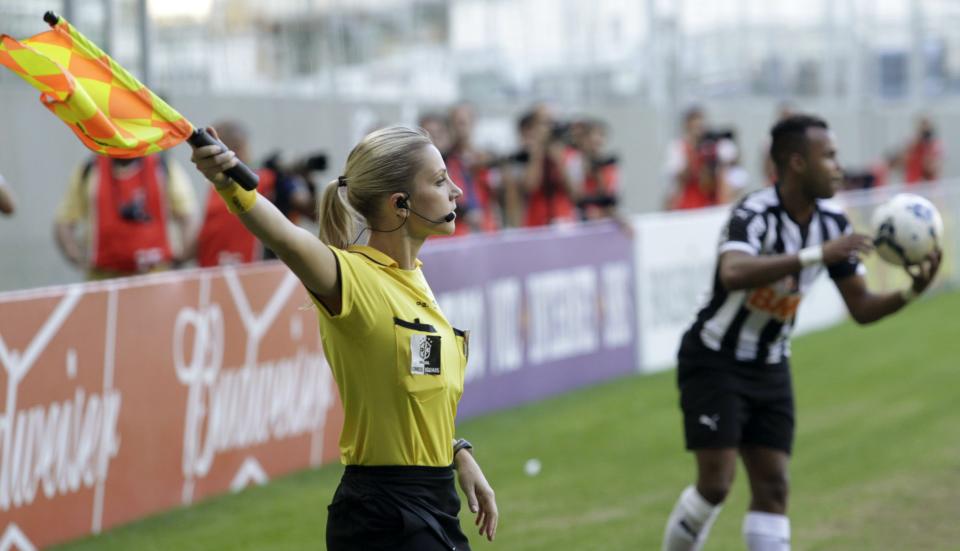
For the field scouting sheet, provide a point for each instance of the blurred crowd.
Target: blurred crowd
(122, 217)
(703, 164)
(126, 217)
(561, 171)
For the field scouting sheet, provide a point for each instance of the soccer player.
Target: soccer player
(733, 368)
(398, 363)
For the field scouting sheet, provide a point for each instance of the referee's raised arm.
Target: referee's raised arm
(302, 252)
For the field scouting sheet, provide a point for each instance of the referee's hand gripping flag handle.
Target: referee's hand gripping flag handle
(240, 173)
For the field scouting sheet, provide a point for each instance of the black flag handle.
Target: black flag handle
(240, 174)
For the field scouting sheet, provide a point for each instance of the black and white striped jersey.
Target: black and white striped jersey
(754, 325)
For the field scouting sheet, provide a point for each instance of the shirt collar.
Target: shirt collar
(379, 256)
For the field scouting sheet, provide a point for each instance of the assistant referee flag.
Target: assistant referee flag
(107, 108)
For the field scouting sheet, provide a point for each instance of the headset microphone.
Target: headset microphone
(449, 217)
(402, 204)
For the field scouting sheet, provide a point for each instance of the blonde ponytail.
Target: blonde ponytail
(336, 220)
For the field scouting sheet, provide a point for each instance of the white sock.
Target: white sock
(690, 522)
(766, 531)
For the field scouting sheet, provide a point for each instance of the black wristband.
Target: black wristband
(461, 444)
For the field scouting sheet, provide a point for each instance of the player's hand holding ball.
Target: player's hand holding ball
(924, 271)
(846, 247)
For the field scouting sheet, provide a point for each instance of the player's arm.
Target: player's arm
(70, 213)
(308, 257)
(866, 307)
(183, 211)
(741, 270)
(64, 234)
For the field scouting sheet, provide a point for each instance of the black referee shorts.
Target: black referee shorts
(395, 508)
(729, 404)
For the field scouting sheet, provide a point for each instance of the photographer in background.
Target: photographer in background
(718, 157)
(538, 174)
(691, 184)
(599, 189)
(923, 157)
(113, 218)
(296, 188)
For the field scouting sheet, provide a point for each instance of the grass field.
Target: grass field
(876, 466)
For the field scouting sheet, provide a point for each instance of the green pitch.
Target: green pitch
(875, 465)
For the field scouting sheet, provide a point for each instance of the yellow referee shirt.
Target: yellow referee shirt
(397, 361)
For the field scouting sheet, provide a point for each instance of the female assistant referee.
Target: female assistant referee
(397, 361)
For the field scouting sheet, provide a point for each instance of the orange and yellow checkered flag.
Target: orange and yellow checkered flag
(109, 110)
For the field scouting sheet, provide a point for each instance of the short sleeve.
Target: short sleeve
(851, 266)
(743, 232)
(73, 205)
(360, 299)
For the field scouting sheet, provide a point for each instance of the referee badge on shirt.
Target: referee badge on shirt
(424, 354)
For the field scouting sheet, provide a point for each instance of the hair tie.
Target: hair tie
(342, 181)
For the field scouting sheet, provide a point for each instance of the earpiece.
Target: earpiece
(402, 203)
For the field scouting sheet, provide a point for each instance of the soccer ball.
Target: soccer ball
(907, 229)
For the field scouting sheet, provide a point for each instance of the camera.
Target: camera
(313, 162)
(605, 161)
(714, 135)
(134, 210)
(710, 143)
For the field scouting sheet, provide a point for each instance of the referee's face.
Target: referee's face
(824, 175)
(434, 195)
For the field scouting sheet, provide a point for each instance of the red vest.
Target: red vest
(917, 156)
(223, 238)
(692, 196)
(130, 222)
(550, 202)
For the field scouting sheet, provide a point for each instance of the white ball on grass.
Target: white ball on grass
(532, 467)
